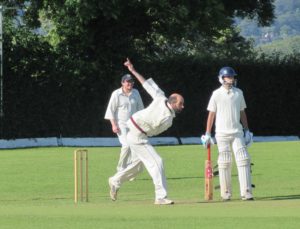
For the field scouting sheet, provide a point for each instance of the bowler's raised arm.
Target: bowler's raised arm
(137, 75)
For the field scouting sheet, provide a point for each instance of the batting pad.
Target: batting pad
(224, 163)
(244, 172)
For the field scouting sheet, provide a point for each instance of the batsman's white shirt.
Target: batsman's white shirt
(157, 117)
(227, 104)
(121, 106)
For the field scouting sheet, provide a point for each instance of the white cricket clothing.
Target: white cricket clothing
(235, 142)
(120, 108)
(227, 104)
(157, 117)
(125, 155)
(224, 164)
(153, 120)
(244, 172)
(144, 155)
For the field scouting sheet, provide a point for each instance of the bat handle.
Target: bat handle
(208, 153)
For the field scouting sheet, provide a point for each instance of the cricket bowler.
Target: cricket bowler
(151, 121)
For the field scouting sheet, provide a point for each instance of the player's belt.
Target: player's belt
(137, 126)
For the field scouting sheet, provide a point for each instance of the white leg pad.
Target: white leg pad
(244, 172)
(224, 163)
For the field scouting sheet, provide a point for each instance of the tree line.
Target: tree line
(64, 58)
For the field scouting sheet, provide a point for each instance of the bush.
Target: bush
(61, 104)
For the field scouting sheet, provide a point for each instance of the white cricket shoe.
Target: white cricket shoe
(226, 197)
(248, 196)
(113, 190)
(164, 201)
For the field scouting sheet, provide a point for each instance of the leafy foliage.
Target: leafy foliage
(65, 58)
(106, 31)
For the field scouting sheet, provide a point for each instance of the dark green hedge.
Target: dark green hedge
(271, 90)
(59, 104)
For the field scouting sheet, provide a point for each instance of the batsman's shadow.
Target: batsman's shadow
(287, 197)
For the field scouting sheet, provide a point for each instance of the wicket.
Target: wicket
(81, 168)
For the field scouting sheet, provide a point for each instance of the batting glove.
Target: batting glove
(248, 137)
(206, 140)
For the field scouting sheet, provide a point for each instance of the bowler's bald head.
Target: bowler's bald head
(176, 101)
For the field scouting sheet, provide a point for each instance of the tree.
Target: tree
(86, 41)
(105, 31)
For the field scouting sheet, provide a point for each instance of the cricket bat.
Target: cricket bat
(208, 176)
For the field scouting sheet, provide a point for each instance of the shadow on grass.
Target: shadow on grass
(34, 199)
(287, 197)
(176, 178)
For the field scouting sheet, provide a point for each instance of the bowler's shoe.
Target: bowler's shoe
(113, 190)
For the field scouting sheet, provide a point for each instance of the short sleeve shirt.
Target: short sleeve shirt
(227, 104)
(121, 106)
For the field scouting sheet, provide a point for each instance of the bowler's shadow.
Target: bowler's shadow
(177, 178)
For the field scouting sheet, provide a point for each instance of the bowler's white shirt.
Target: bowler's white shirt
(157, 117)
(227, 104)
(121, 106)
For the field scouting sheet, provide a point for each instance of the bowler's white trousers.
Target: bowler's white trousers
(143, 154)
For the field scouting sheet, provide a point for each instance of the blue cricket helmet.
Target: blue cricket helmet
(226, 71)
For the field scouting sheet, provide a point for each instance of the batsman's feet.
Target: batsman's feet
(247, 196)
(247, 199)
(164, 201)
(113, 190)
(226, 196)
(225, 199)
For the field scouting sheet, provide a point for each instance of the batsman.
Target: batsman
(227, 108)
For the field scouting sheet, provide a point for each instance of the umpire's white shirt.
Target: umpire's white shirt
(121, 107)
(227, 104)
(157, 117)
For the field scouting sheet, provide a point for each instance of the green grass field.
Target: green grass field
(36, 191)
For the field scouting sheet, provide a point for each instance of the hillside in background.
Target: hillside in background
(287, 46)
(286, 25)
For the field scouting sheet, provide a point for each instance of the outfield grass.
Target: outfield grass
(36, 191)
